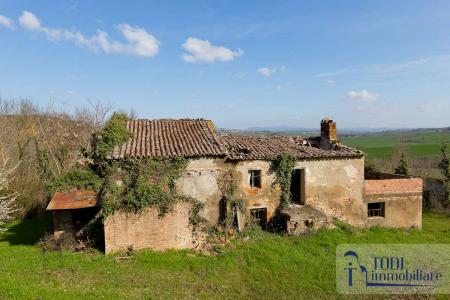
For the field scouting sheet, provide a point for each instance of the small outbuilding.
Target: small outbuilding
(72, 210)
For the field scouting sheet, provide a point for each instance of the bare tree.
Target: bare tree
(7, 199)
(46, 140)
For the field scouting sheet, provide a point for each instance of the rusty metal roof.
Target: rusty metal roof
(170, 138)
(73, 200)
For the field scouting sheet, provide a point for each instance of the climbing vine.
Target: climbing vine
(284, 166)
(145, 182)
(228, 183)
(113, 134)
(129, 184)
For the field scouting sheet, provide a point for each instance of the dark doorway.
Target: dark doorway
(298, 186)
(259, 215)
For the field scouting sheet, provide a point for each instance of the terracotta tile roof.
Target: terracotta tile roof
(73, 200)
(170, 138)
(198, 138)
(269, 147)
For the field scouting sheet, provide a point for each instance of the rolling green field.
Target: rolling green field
(266, 266)
(384, 144)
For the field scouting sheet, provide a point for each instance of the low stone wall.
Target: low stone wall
(402, 199)
(147, 230)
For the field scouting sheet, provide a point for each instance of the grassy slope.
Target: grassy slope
(267, 267)
(382, 145)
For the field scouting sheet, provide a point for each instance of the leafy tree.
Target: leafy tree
(403, 166)
(444, 165)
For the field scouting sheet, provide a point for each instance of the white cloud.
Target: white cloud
(362, 96)
(202, 50)
(4, 21)
(331, 81)
(266, 71)
(139, 41)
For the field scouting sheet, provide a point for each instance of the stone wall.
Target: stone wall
(147, 230)
(402, 198)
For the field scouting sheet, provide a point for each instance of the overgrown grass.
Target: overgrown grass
(265, 267)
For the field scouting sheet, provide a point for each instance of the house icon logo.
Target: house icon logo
(351, 266)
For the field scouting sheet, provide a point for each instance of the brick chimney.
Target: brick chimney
(328, 130)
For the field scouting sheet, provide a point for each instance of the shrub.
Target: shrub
(369, 167)
(77, 178)
(403, 166)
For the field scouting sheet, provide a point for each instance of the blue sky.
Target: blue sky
(240, 63)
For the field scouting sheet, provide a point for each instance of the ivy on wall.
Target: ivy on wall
(129, 184)
(284, 166)
(227, 182)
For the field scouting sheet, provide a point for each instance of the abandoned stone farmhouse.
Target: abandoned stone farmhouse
(328, 183)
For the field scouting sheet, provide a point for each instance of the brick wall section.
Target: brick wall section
(393, 186)
(147, 230)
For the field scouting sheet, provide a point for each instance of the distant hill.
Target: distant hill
(342, 132)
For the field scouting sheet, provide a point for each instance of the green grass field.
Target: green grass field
(382, 145)
(265, 267)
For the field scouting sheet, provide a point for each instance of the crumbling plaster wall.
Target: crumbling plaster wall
(199, 181)
(334, 186)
